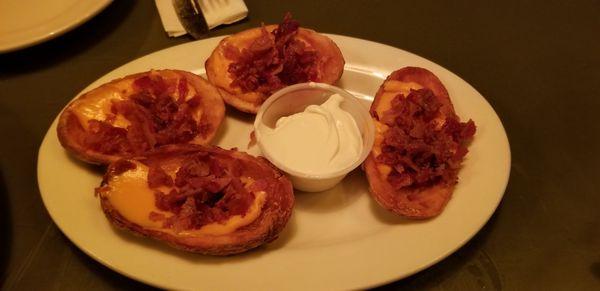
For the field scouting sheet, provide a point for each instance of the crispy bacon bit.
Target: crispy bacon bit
(156, 118)
(273, 61)
(298, 66)
(140, 137)
(285, 31)
(158, 177)
(183, 219)
(169, 202)
(105, 138)
(206, 190)
(182, 90)
(196, 166)
(419, 149)
(122, 166)
(194, 101)
(154, 85)
(252, 141)
(210, 183)
(236, 199)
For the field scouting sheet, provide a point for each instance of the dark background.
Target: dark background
(537, 63)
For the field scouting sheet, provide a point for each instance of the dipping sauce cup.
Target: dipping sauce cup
(295, 99)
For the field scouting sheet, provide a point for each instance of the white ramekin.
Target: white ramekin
(296, 98)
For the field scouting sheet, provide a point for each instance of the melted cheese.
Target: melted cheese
(97, 103)
(130, 195)
(134, 200)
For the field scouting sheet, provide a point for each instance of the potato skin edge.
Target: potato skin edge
(273, 218)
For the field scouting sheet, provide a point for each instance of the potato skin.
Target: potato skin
(69, 133)
(330, 65)
(273, 218)
(435, 197)
(432, 199)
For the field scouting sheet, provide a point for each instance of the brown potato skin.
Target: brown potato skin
(211, 104)
(330, 65)
(431, 200)
(435, 197)
(274, 215)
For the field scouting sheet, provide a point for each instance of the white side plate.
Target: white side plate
(24, 22)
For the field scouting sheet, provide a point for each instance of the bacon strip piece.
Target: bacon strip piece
(419, 145)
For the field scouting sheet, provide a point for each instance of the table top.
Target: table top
(536, 62)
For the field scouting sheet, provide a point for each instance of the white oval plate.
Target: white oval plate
(339, 239)
(25, 23)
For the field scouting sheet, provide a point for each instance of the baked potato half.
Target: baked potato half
(137, 113)
(196, 198)
(419, 144)
(249, 66)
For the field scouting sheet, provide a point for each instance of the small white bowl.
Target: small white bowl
(296, 98)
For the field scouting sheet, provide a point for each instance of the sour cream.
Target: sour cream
(322, 139)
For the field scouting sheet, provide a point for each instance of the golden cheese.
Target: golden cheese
(130, 195)
(134, 200)
(97, 103)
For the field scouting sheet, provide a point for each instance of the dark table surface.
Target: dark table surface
(536, 62)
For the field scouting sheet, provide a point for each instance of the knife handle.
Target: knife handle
(191, 17)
